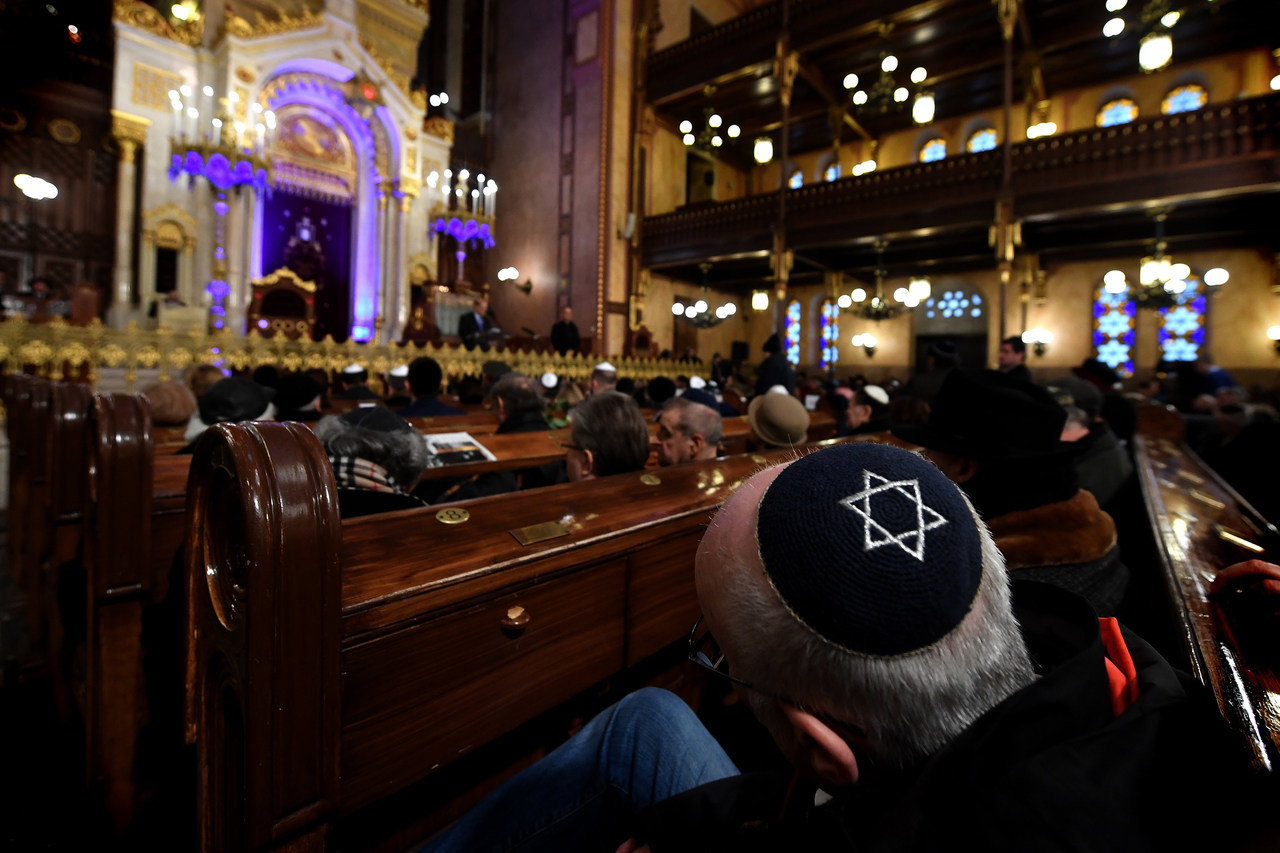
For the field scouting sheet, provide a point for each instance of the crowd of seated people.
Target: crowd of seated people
(925, 636)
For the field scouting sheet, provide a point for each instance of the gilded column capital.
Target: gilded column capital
(129, 131)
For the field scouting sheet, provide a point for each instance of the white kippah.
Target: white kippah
(549, 380)
(875, 392)
(697, 383)
(353, 368)
(779, 389)
(604, 365)
(400, 370)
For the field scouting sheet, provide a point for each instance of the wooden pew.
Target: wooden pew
(1201, 525)
(332, 663)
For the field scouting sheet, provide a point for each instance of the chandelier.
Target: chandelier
(879, 307)
(1157, 19)
(1161, 281)
(886, 93)
(698, 312)
(712, 133)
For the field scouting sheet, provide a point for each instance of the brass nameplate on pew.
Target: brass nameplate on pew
(535, 533)
(1191, 478)
(758, 459)
(1228, 535)
(650, 479)
(1206, 499)
(453, 515)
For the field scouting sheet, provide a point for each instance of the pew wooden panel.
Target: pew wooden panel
(333, 664)
(1201, 525)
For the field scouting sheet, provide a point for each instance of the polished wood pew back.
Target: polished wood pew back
(333, 664)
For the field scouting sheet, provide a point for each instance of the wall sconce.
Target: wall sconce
(1274, 334)
(867, 342)
(762, 151)
(759, 300)
(511, 274)
(1039, 340)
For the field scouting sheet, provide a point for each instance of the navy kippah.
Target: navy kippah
(871, 547)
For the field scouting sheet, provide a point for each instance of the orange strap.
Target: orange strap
(1120, 669)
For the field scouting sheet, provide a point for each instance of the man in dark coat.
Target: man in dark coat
(863, 611)
(775, 369)
(564, 334)
(475, 324)
(1012, 358)
(423, 381)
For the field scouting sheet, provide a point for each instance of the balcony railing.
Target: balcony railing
(1221, 148)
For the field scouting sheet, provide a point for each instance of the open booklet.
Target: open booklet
(454, 448)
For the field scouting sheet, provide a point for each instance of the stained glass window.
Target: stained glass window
(934, 149)
(833, 172)
(791, 333)
(830, 334)
(1182, 327)
(796, 180)
(953, 303)
(1184, 99)
(1119, 111)
(982, 140)
(1113, 324)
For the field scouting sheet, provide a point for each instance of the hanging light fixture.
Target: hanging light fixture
(713, 132)
(1161, 281)
(698, 312)
(879, 307)
(886, 92)
(763, 150)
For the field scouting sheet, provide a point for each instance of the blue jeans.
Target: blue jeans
(582, 796)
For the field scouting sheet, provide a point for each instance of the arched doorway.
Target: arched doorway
(957, 312)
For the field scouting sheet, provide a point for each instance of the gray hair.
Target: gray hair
(696, 418)
(517, 393)
(611, 426)
(402, 454)
(909, 705)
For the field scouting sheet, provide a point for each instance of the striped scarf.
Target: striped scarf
(352, 472)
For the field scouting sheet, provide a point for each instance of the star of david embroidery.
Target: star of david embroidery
(876, 535)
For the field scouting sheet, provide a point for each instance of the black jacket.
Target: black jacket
(1050, 768)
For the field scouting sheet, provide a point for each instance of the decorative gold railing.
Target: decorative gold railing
(58, 350)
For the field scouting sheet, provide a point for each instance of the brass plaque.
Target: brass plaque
(535, 533)
(757, 458)
(453, 515)
(1207, 500)
(1190, 477)
(650, 479)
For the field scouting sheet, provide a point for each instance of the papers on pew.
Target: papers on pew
(454, 448)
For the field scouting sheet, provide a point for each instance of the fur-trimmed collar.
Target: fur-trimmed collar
(1056, 534)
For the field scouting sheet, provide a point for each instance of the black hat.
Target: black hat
(1095, 371)
(231, 400)
(376, 419)
(295, 390)
(944, 349)
(870, 547)
(702, 398)
(495, 369)
(1081, 393)
(987, 414)
(774, 344)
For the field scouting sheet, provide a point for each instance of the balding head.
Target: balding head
(822, 612)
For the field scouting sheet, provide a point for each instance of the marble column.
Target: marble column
(380, 308)
(233, 261)
(126, 207)
(400, 272)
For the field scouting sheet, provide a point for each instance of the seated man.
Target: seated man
(687, 432)
(607, 435)
(863, 611)
(355, 384)
(777, 420)
(423, 382)
(997, 438)
(604, 378)
(1102, 464)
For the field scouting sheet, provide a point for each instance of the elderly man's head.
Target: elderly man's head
(607, 435)
(604, 377)
(860, 597)
(687, 432)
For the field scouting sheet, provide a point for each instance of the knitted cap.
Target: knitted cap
(870, 547)
(376, 419)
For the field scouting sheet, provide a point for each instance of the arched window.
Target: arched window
(982, 140)
(1113, 323)
(1181, 332)
(830, 320)
(832, 172)
(1184, 99)
(1118, 111)
(796, 181)
(934, 149)
(791, 333)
